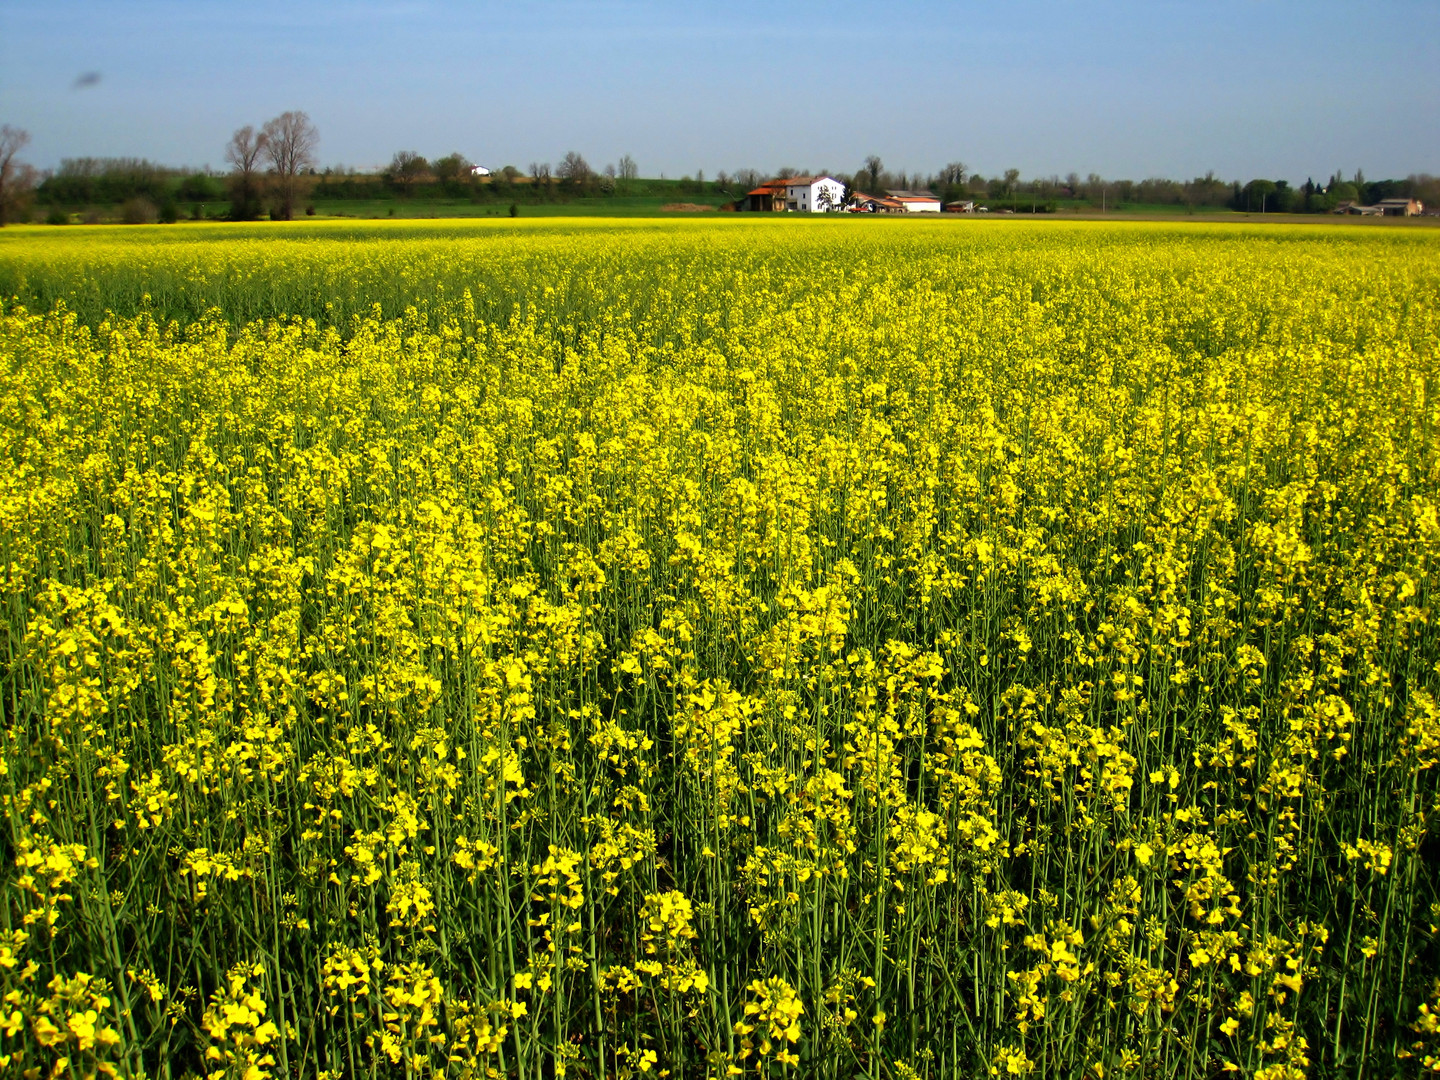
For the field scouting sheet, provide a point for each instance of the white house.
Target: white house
(813, 194)
(479, 170)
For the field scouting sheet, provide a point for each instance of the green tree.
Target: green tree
(873, 168)
(198, 188)
(452, 171)
(1341, 191)
(1258, 193)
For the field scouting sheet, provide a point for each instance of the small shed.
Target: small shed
(1401, 207)
(917, 202)
(768, 197)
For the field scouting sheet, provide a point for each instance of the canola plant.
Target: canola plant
(772, 649)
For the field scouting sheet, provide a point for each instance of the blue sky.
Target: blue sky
(1119, 87)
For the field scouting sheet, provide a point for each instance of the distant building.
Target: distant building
(798, 194)
(1400, 207)
(917, 202)
(860, 203)
(479, 170)
(768, 197)
(966, 206)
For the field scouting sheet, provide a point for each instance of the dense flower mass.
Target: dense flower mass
(720, 649)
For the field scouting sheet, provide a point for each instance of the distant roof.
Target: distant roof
(1401, 200)
(912, 195)
(792, 181)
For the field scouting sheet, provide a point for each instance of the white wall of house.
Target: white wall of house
(922, 206)
(807, 198)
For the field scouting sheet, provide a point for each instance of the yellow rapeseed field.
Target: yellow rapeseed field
(730, 648)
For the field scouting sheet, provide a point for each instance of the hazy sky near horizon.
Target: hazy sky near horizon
(1125, 88)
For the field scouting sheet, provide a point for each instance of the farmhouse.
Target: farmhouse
(801, 194)
(479, 170)
(817, 194)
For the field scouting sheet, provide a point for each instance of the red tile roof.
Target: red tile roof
(793, 181)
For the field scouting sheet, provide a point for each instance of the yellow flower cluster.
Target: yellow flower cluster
(772, 1022)
(238, 1029)
(719, 648)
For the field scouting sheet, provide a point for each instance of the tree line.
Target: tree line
(1008, 190)
(273, 170)
(411, 174)
(453, 175)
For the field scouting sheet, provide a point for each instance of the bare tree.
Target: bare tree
(873, 168)
(407, 167)
(244, 150)
(952, 175)
(574, 168)
(17, 179)
(290, 141)
(628, 169)
(243, 154)
(1095, 185)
